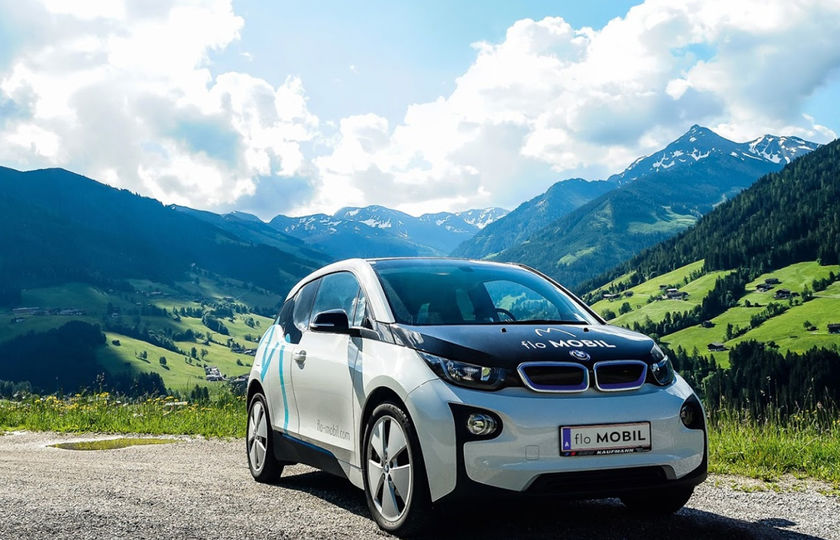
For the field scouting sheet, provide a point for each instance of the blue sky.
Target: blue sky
(298, 107)
(380, 56)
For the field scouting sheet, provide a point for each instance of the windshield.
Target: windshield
(451, 292)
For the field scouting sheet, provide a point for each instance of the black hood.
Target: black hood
(506, 346)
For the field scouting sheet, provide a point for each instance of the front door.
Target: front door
(322, 372)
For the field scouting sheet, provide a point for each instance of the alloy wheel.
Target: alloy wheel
(389, 468)
(257, 436)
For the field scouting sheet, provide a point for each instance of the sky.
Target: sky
(301, 107)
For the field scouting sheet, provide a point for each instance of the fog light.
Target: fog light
(691, 414)
(481, 424)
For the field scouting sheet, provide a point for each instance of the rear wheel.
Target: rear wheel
(259, 444)
(395, 478)
(658, 502)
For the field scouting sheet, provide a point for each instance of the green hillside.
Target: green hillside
(60, 227)
(171, 313)
(787, 330)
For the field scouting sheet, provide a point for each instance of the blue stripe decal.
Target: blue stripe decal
(283, 390)
(267, 338)
(267, 363)
(267, 335)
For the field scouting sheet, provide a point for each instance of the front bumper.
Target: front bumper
(525, 457)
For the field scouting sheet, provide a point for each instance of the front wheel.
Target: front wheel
(395, 477)
(259, 444)
(659, 502)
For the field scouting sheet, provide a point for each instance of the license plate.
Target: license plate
(605, 439)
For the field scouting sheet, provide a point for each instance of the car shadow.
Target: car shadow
(547, 518)
(327, 487)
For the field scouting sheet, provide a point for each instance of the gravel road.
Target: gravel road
(202, 489)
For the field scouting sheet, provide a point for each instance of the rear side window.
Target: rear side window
(360, 310)
(302, 310)
(286, 322)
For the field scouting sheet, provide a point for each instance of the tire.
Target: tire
(658, 502)
(259, 443)
(396, 488)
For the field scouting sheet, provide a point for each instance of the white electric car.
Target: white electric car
(426, 380)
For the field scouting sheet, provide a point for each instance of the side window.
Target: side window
(337, 291)
(301, 311)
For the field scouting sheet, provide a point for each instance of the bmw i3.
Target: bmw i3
(424, 381)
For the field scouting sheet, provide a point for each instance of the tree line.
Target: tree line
(760, 378)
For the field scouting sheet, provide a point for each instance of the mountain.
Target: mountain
(530, 216)
(757, 284)
(478, 218)
(60, 227)
(657, 197)
(377, 231)
(250, 228)
(786, 217)
(700, 143)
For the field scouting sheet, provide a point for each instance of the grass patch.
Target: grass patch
(111, 444)
(803, 445)
(223, 416)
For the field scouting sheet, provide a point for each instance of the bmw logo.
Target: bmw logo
(580, 355)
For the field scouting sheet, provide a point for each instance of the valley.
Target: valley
(177, 292)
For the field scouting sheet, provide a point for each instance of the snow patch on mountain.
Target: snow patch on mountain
(701, 143)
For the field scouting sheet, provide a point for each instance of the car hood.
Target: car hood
(507, 346)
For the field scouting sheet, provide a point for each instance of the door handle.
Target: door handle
(300, 358)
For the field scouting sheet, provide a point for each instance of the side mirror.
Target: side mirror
(333, 321)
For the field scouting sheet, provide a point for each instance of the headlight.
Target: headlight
(661, 369)
(464, 374)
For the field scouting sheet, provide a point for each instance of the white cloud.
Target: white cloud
(122, 91)
(551, 100)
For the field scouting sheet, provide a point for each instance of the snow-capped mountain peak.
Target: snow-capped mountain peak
(780, 149)
(700, 143)
(439, 232)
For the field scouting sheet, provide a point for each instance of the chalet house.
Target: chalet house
(707, 324)
(628, 294)
(772, 281)
(674, 294)
(717, 347)
(834, 328)
(781, 294)
(763, 287)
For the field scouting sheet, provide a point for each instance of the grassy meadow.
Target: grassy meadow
(221, 416)
(788, 330)
(115, 309)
